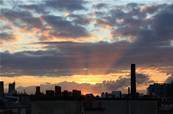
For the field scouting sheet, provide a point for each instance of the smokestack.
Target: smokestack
(133, 80)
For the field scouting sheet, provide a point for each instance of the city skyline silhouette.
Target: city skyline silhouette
(86, 56)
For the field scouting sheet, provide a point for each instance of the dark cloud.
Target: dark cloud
(100, 6)
(6, 37)
(125, 82)
(68, 58)
(80, 19)
(46, 6)
(150, 25)
(65, 28)
(62, 59)
(15, 14)
(21, 18)
(70, 5)
(150, 28)
(143, 79)
(163, 25)
(58, 26)
(37, 8)
(147, 56)
(32, 63)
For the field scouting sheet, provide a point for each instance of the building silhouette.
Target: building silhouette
(11, 89)
(1, 88)
(50, 93)
(57, 90)
(37, 92)
(76, 93)
(160, 90)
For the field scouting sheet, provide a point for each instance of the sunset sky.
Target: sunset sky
(86, 44)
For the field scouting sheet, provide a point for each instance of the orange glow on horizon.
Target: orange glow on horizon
(154, 74)
(37, 80)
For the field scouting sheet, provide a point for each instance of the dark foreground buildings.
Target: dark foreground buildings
(95, 106)
(10, 103)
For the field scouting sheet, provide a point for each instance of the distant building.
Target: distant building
(106, 95)
(11, 89)
(158, 90)
(50, 93)
(113, 94)
(66, 93)
(57, 90)
(37, 92)
(103, 94)
(76, 93)
(116, 94)
(89, 95)
(1, 88)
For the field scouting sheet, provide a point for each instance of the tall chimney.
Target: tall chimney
(133, 80)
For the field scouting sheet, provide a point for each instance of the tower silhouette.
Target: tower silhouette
(133, 80)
